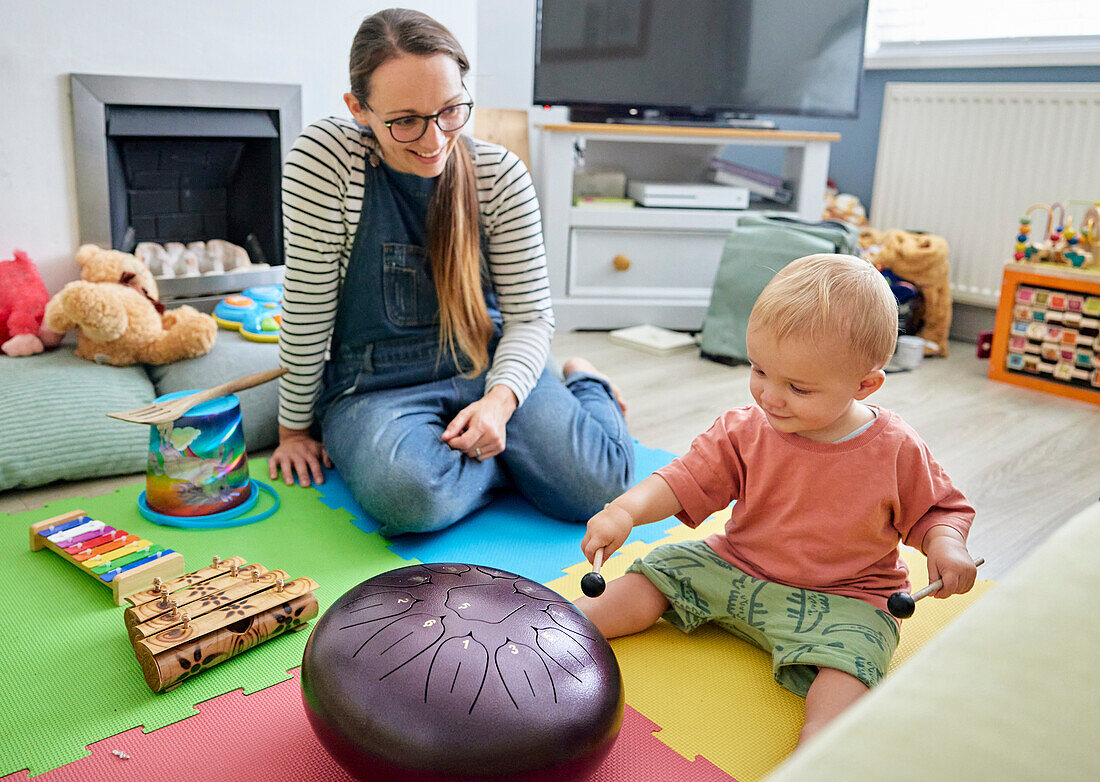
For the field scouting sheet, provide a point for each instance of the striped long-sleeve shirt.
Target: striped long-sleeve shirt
(322, 201)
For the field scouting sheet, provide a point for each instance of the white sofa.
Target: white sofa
(1008, 691)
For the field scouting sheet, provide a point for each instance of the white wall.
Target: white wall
(506, 62)
(506, 66)
(43, 41)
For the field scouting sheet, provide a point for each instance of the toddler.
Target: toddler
(826, 486)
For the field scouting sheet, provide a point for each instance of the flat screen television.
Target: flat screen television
(709, 61)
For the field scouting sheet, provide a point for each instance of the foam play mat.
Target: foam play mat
(74, 704)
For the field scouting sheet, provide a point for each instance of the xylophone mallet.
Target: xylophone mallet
(902, 604)
(593, 584)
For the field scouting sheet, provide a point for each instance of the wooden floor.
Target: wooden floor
(1027, 460)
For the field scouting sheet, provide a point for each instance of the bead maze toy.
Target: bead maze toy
(185, 625)
(1059, 243)
(255, 312)
(126, 563)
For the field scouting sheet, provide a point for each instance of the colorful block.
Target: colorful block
(1062, 322)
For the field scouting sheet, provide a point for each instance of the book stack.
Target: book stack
(603, 202)
(653, 339)
(759, 183)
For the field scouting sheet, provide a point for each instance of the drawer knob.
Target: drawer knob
(621, 263)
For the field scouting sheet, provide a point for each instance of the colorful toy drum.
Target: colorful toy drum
(197, 465)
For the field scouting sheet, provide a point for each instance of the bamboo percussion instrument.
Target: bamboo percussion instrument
(186, 625)
(126, 563)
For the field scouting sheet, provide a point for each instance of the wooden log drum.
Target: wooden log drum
(184, 626)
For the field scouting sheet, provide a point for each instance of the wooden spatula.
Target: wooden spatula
(170, 410)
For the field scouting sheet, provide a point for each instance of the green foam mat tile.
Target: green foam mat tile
(68, 674)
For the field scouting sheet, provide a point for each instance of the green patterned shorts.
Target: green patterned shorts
(803, 630)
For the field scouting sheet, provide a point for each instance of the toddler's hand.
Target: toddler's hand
(608, 530)
(949, 560)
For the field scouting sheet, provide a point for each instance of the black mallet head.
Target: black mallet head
(593, 584)
(901, 604)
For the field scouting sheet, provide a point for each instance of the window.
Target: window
(982, 33)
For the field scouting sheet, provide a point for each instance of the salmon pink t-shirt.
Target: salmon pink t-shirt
(821, 516)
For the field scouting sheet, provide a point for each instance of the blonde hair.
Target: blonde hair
(454, 239)
(826, 296)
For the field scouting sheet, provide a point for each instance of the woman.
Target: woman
(416, 316)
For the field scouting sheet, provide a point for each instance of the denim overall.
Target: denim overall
(388, 393)
(390, 340)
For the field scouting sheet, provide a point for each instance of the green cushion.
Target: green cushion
(53, 422)
(231, 357)
(756, 249)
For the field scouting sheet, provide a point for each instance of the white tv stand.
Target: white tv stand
(616, 267)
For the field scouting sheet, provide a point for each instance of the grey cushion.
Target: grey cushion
(231, 357)
(53, 422)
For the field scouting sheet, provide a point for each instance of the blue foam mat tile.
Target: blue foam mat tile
(509, 534)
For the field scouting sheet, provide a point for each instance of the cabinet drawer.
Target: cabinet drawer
(643, 264)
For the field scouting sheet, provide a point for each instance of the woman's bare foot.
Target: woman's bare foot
(577, 364)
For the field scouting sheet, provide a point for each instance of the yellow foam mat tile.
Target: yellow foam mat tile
(712, 694)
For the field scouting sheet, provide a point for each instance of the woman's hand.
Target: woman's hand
(949, 560)
(300, 454)
(607, 530)
(478, 429)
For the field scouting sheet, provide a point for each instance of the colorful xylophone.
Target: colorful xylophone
(186, 625)
(124, 562)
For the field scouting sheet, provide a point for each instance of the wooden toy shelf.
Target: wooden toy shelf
(1047, 333)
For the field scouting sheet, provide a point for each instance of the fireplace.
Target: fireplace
(182, 161)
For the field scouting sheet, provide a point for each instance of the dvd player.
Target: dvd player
(689, 195)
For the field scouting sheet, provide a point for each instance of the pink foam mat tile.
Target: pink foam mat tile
(265, 736)
(259, 737)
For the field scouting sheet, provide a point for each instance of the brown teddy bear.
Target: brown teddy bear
(117, 316)
(922, 260)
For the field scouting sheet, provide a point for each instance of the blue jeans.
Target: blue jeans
(567, 451)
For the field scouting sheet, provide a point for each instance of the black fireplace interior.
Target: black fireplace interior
(195, 174)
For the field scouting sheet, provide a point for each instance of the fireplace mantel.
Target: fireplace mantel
(102, 104)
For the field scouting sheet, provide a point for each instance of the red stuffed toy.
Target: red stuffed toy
(23, 298)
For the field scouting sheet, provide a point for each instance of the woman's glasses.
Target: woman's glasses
(410, 128)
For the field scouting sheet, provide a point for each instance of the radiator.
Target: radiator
(966, 160)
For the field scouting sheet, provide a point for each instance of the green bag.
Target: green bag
(757, 248)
